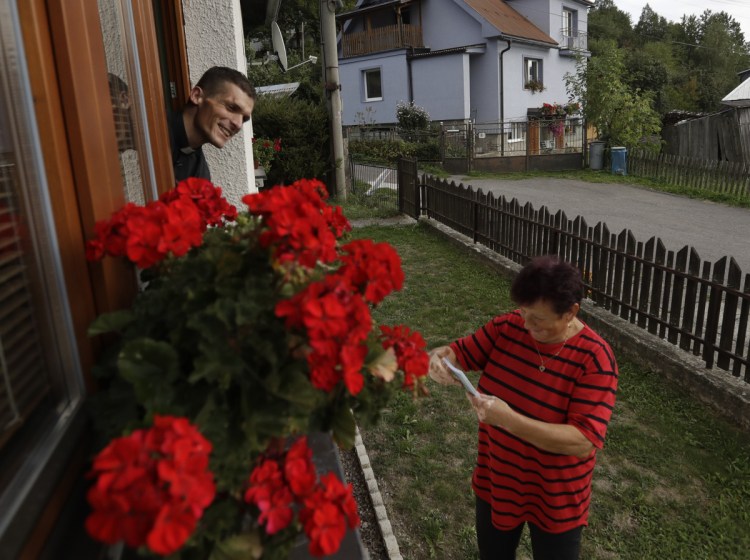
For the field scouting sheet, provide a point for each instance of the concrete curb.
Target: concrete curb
(386, 529)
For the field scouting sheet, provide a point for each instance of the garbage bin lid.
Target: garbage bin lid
(619, 148)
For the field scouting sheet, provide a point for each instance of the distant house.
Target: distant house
(721, 136)
(480, 60)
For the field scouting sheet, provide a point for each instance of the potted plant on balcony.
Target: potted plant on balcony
(253, 330)
(535, 86)
(557, 114)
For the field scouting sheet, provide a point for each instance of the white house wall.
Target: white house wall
(517, 99)
(442, 86)
(395, 88)
(214, 37)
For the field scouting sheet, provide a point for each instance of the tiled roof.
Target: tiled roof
(508, 21)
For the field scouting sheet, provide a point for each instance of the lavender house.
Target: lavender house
(481, 60)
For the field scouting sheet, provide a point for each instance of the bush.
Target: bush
(412, 117)
(305, 138)
(386, 151)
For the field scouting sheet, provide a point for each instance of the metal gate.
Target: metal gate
(408, 188)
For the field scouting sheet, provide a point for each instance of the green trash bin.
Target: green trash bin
(619, 160)
(596, 155)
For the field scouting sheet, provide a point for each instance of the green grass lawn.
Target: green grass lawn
(673, 481)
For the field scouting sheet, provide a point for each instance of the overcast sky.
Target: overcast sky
(673, 10)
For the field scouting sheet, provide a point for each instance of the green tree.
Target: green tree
(607, 22)
(722, 52)
(622, 117)
(303, 129)
(651, 26)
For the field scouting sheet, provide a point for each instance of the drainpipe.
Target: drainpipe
(408, 75)
(502, 96)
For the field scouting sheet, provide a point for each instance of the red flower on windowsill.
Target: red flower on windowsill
(254, 332)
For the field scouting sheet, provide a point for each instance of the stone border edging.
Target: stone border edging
(386, 530)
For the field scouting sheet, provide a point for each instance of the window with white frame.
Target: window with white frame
(373, 84)
(569, 27)
(533, 75)
(515, 131)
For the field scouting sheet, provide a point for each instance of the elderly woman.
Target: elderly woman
(546, 396)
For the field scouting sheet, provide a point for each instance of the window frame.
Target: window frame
(515, 131)
(366, 92)
(61, 428)
(79, 160)
(569, 22)
(527, 74)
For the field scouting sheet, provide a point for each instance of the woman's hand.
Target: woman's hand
(491, 410)
(555, 438)
(438, 372)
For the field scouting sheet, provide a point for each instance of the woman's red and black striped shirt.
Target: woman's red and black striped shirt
(577, 387)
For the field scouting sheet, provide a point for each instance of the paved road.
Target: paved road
(714, 230)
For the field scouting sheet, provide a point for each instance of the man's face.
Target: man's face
(221, 116)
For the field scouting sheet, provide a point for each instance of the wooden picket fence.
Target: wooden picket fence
(726, 177)
(701, 307)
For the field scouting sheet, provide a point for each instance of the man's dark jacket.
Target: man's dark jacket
(185, 161)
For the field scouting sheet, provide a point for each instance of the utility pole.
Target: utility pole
(333, 88)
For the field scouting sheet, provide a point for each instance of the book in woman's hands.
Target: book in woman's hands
(461, 376)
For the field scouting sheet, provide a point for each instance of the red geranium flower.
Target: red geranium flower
(152, 486)
(372, 268)
(409, 347)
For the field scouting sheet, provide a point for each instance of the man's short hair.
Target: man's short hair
(212, 82)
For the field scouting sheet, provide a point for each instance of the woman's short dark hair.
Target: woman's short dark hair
(550, 279)
(213, 80)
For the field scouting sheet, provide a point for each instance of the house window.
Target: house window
(570, 28)
(373, 84)
(515, 131)
(41, 383)
(570, 23)
(533, 76)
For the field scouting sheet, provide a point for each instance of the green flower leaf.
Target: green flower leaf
(151, 367)
(115, 321)
(344, 427)
(297, 389)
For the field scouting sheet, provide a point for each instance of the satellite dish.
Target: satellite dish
(278, 44)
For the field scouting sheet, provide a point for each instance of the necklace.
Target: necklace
(542, 361)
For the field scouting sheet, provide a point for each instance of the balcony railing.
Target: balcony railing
(382, 39)
(573, 41)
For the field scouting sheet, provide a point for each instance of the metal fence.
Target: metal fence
(701, 307)
(374, 185)
(529, 137)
